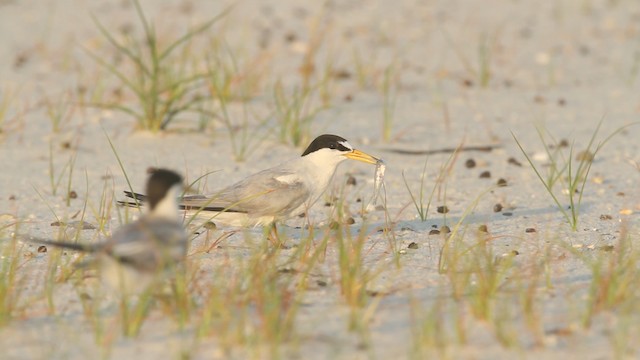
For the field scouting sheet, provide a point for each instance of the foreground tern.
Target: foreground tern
(143, 251)
(277, 193)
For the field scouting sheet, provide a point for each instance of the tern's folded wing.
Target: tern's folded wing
(269, 192)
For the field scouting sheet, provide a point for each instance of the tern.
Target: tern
(278, 193)
(139, 253)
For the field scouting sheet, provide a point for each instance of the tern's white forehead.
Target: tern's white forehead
(346, 144)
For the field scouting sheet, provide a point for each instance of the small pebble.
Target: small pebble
(73, 194)
(467, 83)
(470, 164)
(351, 180)
(210, 225)
(442, 209)
(562, 102)
(513, 161)
(42, 249)
(605, 217)
(501, 182)
(563, 143)
(485, 174)
(350, 221)
(530, 230)
(515, 252)
(538, 99)
(584, 156)
(507, 213)
(321, 283)
(434, 232)
(620, 193)
(445, 229)
(483, 228)
(413, 246)
(12, 197)
(497, 207)
(606, 248)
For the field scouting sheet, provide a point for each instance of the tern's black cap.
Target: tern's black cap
(159, 183)
(327, 141)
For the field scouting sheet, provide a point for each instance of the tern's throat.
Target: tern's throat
(167, 208)
(319, 168)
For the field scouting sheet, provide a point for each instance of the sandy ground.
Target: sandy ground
(563, 66)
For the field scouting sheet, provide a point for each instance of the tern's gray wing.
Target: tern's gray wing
(272, 192)
(148, 244)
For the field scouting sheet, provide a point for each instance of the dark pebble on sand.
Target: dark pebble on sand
(470, 164)
(605, 217)
(563, 143)
(483, 228)
(413, 246)
(442, 209)
(351, 180)
(434, 232)
(515, 252)
(497, 207)
(73, 194)
(42, 249)
(501, 182)
(485, 175)
(530, 230)
(321, 283)
(585, 156)
(607, 248)
(210, 225)
(513, 161)
(445, 229)
(350, 221)
(12, 197)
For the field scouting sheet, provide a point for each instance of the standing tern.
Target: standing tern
(278, 193)
(139, 253)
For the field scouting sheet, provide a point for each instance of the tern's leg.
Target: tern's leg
(274, 238)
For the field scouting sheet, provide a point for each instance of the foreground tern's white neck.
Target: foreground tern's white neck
(167, 208)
